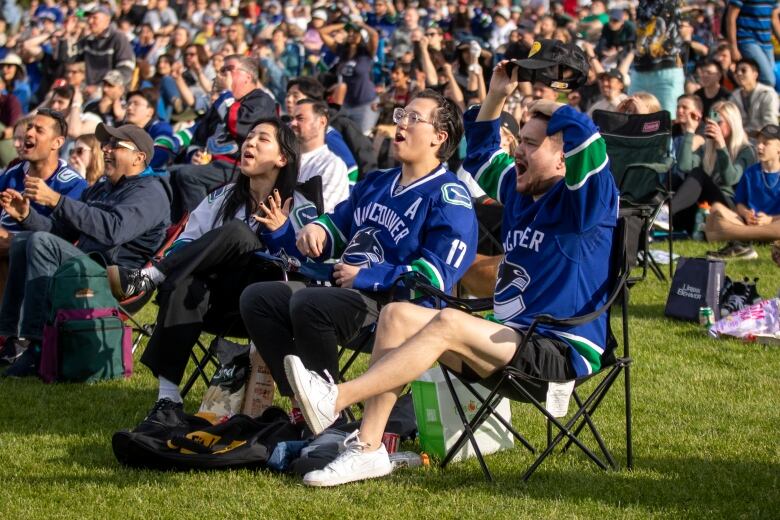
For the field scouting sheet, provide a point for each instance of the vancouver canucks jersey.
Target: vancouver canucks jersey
(65, 181)
(388, 229)
(557, 248)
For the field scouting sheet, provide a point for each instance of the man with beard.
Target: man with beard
(560, 211)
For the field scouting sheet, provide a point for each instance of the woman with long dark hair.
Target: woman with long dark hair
(201, 279)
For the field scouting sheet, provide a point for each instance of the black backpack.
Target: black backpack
(239, 442)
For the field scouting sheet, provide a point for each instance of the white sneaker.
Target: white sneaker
(662, 220)
(351, 465)
(315, 396)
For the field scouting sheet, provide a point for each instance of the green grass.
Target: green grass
(706, 415)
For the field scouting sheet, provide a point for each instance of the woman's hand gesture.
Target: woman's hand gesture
(272, 213)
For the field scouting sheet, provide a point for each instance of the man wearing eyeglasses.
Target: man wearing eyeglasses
(219, 134)
(124, 219)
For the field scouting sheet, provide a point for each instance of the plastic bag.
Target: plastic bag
(761, 318)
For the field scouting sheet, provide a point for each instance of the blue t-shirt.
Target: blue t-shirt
(356, 73)
(65, 181)
(759, 190)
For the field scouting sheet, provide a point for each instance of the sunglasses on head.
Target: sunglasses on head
(57, 116)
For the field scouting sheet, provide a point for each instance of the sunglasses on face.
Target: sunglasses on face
(114, 143)
(79, 150)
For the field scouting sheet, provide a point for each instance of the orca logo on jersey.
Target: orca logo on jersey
(305, 214)
(456, 194)
(364, 250)
(511, 281)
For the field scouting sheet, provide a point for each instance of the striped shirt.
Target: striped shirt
(754, 23)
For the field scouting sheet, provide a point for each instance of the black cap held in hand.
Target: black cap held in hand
(558, 65)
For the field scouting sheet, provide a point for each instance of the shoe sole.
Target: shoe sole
(114, 282)
(751, 256)
(303, 400)
(346, 479)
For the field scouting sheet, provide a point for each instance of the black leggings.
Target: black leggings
(698, 186)
(292, 318)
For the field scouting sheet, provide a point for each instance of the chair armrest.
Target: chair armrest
(414, 281)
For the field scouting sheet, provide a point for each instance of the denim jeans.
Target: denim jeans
(34, 257)
(665, 84)
(765, 58)
(363, 115)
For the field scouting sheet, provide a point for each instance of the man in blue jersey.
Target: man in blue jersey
(560, 213)
(417, 217)
(43, 140)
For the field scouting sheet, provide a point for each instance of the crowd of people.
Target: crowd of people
(360, 134)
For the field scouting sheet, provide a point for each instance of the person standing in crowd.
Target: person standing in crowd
(10, 112)
(658, 64)
(749, 27)
(356, 59)
(104, 49)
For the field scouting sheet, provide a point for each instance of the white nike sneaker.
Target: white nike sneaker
(315, 396)
(351, 465)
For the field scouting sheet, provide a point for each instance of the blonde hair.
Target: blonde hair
(735, 142)
(96, 167)
(650, 101)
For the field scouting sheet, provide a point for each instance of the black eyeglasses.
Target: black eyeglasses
(57, 116)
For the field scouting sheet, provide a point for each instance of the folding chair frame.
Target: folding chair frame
(586, 409)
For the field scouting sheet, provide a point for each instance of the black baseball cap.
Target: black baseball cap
(508, 121)
(546, 54)
(770, 132)
(132, 133)
(613, 73)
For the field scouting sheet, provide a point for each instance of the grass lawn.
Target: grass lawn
(705, 445)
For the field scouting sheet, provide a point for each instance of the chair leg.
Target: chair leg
(587, 420)
(596, 397)
(629, 444)
(200, 368)
(500, 418)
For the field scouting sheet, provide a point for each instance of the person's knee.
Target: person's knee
(309, 304)
(248, 302)
(396, 315)
(449, 321)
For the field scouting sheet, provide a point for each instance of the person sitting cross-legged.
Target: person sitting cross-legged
(560, 214)
(123, 218)
(757, 198)
(418, 217)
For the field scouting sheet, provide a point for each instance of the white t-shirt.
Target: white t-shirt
(334, 173)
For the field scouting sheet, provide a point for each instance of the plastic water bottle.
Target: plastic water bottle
(408, 459)
(701, 219)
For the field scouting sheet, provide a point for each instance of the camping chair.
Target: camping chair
(506, 383)
(639, 149)
(232, 325)
(132, 305)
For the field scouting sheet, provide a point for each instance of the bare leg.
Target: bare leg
(725, 224)
(485, 346)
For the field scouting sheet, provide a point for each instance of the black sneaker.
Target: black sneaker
(733, 251)
(126, 283)
(12, 349)
(165, 419)
(735, 298)
(26, 364)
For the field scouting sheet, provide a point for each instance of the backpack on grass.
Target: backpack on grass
(84, 338)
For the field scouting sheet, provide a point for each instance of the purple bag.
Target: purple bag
(86, 345)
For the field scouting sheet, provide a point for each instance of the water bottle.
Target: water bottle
(701, 219)
(408, 459)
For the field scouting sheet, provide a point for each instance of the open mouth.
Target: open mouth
(29, 145)
(399, 138)
(248, 155)
(520, 167)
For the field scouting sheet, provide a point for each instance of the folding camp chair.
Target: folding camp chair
(132, 305)
(639, 149)
(507, 382)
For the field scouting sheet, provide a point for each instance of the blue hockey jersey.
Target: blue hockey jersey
(65, 181)
(557, 248)
(389, 229)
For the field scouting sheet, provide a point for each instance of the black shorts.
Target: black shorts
(542, 359)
